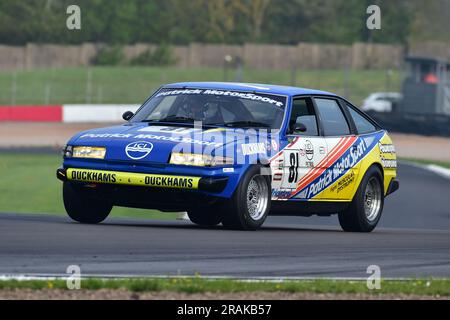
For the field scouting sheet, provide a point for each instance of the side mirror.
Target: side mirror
(300, 127)
(127, 115)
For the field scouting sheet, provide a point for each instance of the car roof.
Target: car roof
(251, 87)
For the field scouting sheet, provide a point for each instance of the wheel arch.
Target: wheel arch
(362, 174)
(379, 166)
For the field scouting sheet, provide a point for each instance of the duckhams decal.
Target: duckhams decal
(133, 179)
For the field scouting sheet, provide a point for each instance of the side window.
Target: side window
(303, 112)
(333, 120)
(362, 124)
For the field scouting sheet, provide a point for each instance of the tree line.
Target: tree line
(223, 21)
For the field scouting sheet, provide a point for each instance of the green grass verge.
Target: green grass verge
(422, 161)
(428, 287)
(29, 185)
(134, 84)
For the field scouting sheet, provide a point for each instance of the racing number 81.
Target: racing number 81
(293, 168)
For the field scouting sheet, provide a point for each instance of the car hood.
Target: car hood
(145, 142)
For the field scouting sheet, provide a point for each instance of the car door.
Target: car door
(338, 181)
(304, 153)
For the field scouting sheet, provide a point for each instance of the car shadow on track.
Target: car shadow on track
(189, 226)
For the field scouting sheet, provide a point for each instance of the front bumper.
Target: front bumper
(88, 176)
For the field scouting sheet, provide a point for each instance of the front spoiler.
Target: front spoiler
(210, 184)
(393, 186)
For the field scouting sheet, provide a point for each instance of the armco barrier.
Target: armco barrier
(73, 113)
(81, 113)
(31, 113)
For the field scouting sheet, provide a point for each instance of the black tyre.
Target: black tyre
(83, 206)
(365, 210)
(250, 204)
(206, 217)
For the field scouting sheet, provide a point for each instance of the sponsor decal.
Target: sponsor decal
(337, 170)
(178, 92)
(170, 182)
(172, 130)
(344, 183)
(93, 176)
(388, 163)
(309, 150)
(352, 156)
(281, 194)
(242, 95)
(136, 179)
(106, 135)
(389, 150)
(178, 139)
(138, 150)
(253, 148)
(278, 177)
(386, 148)
(175, 139)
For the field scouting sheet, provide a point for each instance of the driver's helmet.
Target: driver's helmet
(195, 108)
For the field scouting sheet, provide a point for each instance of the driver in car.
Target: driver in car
(201, 110)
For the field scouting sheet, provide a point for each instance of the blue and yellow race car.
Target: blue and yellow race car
(233, 153)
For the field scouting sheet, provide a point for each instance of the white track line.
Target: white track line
(441, 171)
(47, 277)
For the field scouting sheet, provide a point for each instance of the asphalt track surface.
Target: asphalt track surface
(412, 240)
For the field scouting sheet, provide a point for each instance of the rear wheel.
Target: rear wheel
(250, 204)
(365, 210)
(83, 206)
(205, 217)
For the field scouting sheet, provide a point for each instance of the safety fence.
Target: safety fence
(69, 113)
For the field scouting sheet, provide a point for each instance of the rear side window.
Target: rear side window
(362, 124)
(333, 120)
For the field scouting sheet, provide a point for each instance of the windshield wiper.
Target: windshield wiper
(245, 124)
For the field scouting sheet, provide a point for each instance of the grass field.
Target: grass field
(134, 84)
(423, 287)
(28, 184)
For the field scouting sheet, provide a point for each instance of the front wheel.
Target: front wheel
(365, 210)
(250, 204)
(83, 207)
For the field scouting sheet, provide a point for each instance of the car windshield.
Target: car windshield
(215, 108)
